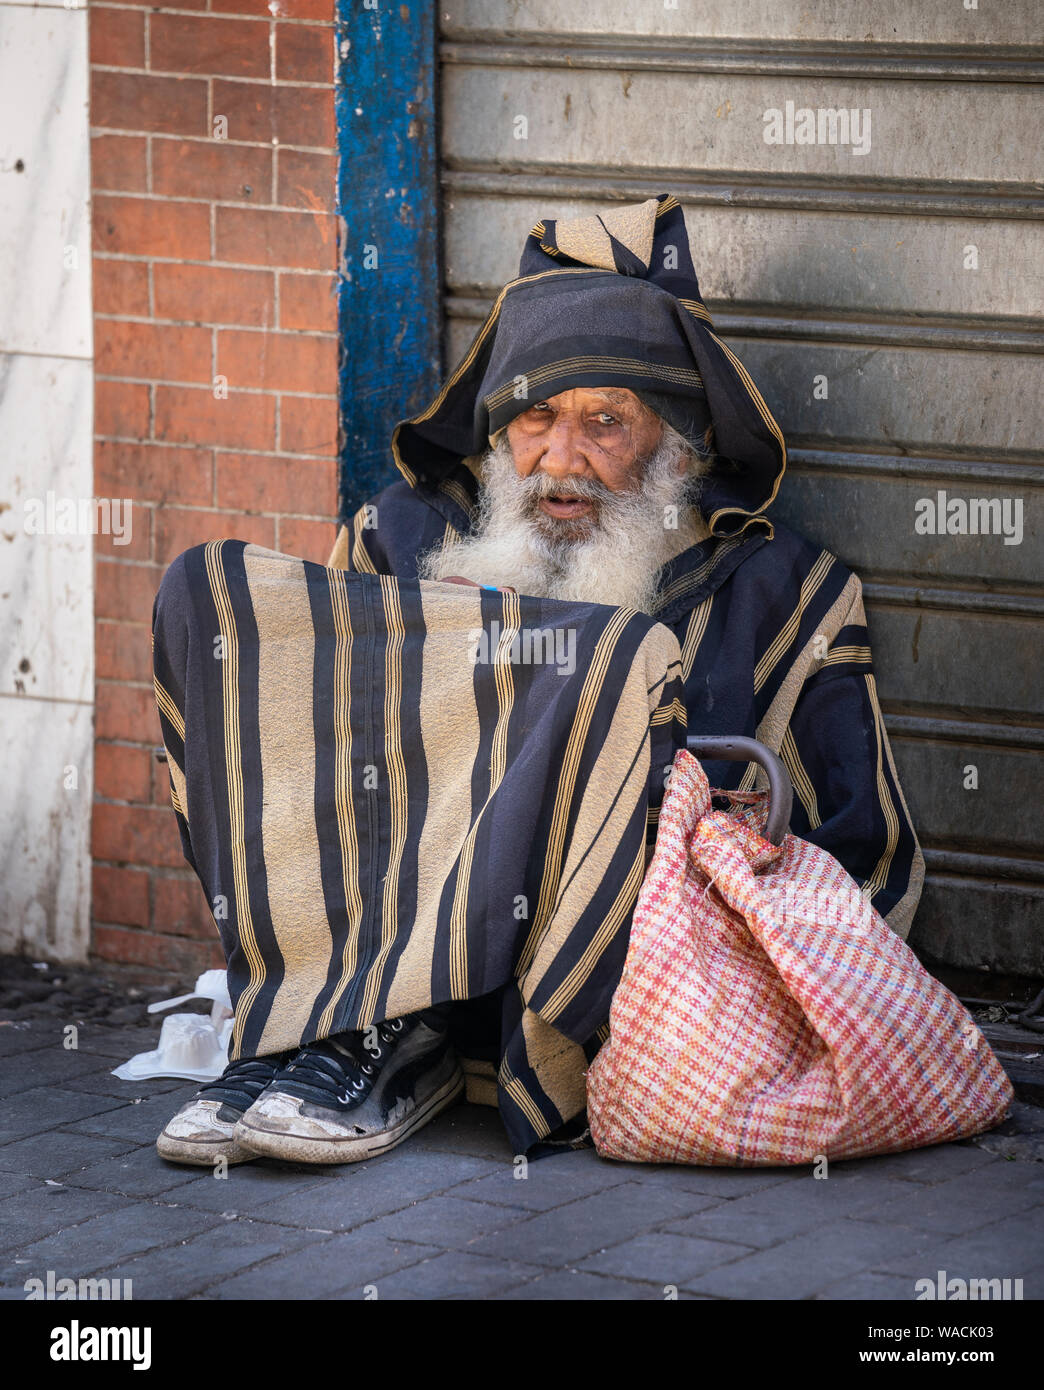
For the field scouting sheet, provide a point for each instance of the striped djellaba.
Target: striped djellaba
(397, 794)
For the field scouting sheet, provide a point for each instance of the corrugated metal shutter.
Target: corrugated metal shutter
(909, 277)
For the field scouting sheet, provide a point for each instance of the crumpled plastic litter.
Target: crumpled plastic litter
(191, 1046)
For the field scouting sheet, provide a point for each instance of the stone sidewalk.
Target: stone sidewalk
(447, 1215)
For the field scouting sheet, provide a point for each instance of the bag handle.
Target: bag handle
(748, 750)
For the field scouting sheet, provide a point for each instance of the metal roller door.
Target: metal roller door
(884, 288)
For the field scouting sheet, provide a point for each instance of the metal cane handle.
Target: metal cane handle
(749, 750)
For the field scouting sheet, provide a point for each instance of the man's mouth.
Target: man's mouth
(564, 507)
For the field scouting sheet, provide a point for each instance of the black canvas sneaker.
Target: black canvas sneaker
(339, 1101)
(202, 1130)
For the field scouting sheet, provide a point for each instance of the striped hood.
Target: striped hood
(600, 301)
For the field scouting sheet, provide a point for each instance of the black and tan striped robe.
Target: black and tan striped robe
(381, 821)
(774, 645)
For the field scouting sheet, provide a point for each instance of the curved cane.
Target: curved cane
(749, 750)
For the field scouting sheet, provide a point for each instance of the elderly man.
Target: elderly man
(599, 445)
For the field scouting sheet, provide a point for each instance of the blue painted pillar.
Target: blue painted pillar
(387, 188)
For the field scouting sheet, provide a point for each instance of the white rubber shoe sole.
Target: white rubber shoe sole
(203, 1155)
(295, 1148)
(195, 1135)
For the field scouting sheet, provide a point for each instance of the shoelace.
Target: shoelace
(249, 1076)
(346, 1071)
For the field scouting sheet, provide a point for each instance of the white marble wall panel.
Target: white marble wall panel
(46, 590)
(46, 764)
(45, 271)
(46, 576)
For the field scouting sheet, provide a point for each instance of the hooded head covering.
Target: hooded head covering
(609, 300)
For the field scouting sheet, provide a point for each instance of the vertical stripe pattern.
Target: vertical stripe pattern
(412, 815)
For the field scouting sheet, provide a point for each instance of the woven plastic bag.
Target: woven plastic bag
(767, 1014)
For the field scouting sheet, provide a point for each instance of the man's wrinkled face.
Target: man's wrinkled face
(577, 444)
(585, 496)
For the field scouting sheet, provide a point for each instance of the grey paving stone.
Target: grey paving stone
(247, 1186)
(930, 1165)
(564, 1285)
(121, 1044)
(179, 1271)
(138, 1173)
(103, 1083)
(566, 1234)
(840, 1193)
(724, 1184)
(47, 1107)
(857, 1287)
(35, 1213)
(732, 1222)
(448, 1222)
(58, 1154)
(466, 1129)
(806, 1264)
(453, 1186)
(449, 1276)
(1021, 1146)
(549, 1182)
(770, 1215)
(1002, 1249)
(995, 1190)
(662, 1258)
(18, 1038)
(10, 1183)
(51, 1065)
(114, 1235)
(1033, 1282)
(1021, 1135)
(374, 1188)
(324, 1269)
(129, 1119)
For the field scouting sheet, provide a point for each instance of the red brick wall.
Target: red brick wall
(213, 257)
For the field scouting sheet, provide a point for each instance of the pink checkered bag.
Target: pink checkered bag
(767, 1014)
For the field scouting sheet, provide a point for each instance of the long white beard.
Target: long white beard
(615, 559)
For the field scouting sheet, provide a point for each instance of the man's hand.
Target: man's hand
(459, 579)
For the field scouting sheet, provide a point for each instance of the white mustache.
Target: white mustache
(617, 558)
(541, 484)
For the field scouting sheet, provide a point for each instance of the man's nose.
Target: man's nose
(561, 452)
